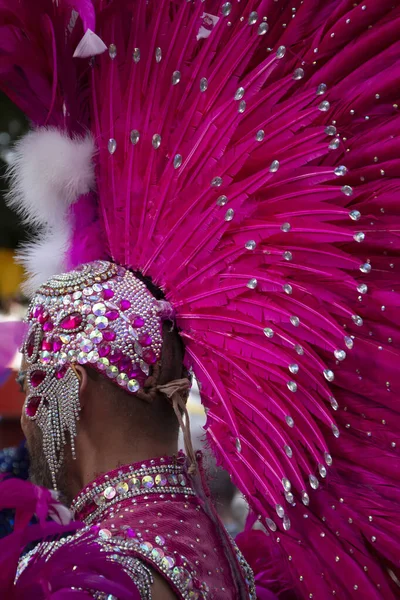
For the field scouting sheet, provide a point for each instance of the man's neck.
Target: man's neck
(91, 464)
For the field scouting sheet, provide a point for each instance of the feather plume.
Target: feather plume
(44, 257)
(48, 172)
(253, 173)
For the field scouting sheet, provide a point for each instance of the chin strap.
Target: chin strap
(176, 391)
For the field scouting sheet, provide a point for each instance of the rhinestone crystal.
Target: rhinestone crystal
(156, 141)
(340, 171)
(203, 84)
(222, 200)
(298, 74)
(289, 421)
(321, 89)
(239, 93)
(112, 145)
(268, 332)
(134, 137)
(324, 106)
(340, 354)
(329, 375)
(280, 53)
(287, 288)
(176, 77)
(314, 483)
(288, 451)
(270, 524)
(365, 268)
(362, 288)
(263, 28)
(330, 130)
(260, 135)
(274, 166)
(354, 215)
(177, 161)
(250, 245)
(347, 190)
(226, 9)
(359, 236)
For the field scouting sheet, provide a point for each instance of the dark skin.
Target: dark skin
(97, 450)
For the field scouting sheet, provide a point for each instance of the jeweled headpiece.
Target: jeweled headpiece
(101, 315)
(236, 154)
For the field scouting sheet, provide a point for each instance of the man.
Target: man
(220, 205)
(121, 470)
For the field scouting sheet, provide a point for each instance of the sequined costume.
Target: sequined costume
(244, 156)
(151, 515)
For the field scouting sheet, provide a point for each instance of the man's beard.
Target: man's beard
(39, 470)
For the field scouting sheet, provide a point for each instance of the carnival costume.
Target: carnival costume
(244, 156)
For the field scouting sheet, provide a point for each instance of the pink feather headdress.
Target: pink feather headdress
(245, 156)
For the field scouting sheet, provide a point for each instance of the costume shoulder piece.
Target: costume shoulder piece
(245, 157)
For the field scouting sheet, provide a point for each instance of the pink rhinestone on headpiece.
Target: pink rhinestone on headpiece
(99, 314)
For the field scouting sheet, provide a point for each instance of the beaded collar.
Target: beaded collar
(163, 477)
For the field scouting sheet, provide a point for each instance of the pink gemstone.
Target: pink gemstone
(30, 346)
(71, 321)
(37, 377)
(42, 318)
(46, 345)
(130, 532)
(108, 294)
(112, 315)
(135, 372)
(61, 371)
(137, 321)
(32, 406)
(38, 310)
(115, 357)
(104, 350)
(125, 364)
(48, 326)
(145, 340)
(125, 305)
(149, 357)
(109, 335)
(57, 345)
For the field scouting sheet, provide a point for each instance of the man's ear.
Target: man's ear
(83, 381)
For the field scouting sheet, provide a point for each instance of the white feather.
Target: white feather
(44, 258)
(49, 172)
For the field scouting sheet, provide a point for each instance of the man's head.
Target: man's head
(96, 370)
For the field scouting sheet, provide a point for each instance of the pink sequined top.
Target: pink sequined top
(156, 517)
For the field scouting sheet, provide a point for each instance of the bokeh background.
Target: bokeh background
(12, 305)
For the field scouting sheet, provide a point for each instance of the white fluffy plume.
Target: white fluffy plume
(44, 258)
(49, 171)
